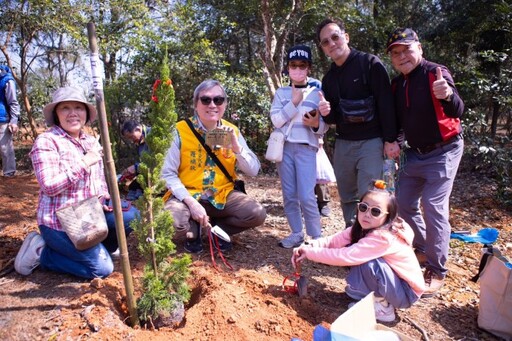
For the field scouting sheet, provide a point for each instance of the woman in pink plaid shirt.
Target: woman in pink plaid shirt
(69, 168)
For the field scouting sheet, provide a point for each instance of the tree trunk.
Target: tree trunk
(494, 119)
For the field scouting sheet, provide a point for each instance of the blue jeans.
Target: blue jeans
(377, 276)
(356, 165)
(60, 254)
(297, 171)
(426, 181)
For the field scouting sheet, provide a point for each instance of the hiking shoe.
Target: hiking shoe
(221, 244)
(194, 245)
(384, 311)
(10, 175)
(433, 282)
(422, 258)
(293, 240)
(116, 254)
(29, 255)
(325, 211)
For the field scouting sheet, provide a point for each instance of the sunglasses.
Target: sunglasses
(374, 211)
(217, 100)
(334, 38)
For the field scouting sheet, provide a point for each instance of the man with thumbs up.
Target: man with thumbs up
(429, 108)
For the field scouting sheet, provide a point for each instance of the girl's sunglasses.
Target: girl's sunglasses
(374, 211)
(217, 100)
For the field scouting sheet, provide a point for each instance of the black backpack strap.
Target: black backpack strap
(209, 150)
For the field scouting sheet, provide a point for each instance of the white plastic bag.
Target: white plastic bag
(324, 170)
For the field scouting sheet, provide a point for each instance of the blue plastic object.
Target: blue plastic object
(486, 235)
(320, 333)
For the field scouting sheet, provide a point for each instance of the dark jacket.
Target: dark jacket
(424, 119)
(361, 75)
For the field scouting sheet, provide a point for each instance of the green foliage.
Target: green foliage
(494, 159)
(164, 282)
(226, 40)
(164, 293)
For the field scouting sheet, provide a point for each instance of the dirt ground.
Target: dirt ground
(247, 303)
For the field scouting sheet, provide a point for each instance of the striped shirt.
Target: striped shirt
(283, 112)
(63, 179)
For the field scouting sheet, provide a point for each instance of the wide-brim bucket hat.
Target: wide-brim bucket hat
(68, 93)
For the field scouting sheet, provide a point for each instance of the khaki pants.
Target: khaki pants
(239, 214)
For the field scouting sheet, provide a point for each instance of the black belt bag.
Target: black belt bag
(357, 110)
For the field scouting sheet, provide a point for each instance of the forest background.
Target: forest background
(242, 44)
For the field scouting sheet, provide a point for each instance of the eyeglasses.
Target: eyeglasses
(374, 211)
(300, 66)
(334, 38)
(217, 100)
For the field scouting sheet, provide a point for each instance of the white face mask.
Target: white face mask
(297, 75)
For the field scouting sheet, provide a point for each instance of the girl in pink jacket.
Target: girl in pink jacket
(378, 250)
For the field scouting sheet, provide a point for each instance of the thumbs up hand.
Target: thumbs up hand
(440, 87)
(323, 105)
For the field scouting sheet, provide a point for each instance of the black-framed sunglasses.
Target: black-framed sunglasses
(374, 210)
(217, 100)
(334, 38)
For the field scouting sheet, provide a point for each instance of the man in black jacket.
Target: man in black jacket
(429, 110)
(358, 99)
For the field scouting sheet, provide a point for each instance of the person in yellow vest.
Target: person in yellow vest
(200, 193)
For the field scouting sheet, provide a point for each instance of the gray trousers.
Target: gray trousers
(377, 276)
(356, 165)
(7, 149)
(425, 183)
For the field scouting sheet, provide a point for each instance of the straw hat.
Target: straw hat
(68, 93)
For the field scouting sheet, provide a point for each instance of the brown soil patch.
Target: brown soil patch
(247, 303)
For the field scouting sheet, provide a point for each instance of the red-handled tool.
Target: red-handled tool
(296, 283)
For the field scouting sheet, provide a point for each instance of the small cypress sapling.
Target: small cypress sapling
(164, 286)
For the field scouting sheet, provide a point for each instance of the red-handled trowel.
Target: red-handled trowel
(299, 283)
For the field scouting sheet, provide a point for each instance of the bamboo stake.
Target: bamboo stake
(111, 174)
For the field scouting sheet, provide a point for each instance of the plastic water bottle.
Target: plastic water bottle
(388, 173)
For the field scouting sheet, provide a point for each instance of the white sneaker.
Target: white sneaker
(384, 311)
(116, 254)
(293, 240)
(29, 255)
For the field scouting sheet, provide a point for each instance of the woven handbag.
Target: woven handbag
(84, 223)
